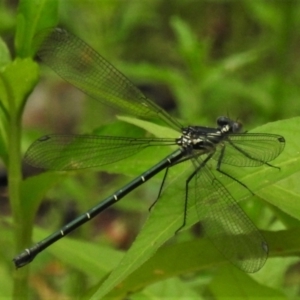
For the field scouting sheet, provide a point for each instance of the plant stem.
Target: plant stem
(22, 234)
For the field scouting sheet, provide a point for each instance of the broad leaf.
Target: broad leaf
(166, 217)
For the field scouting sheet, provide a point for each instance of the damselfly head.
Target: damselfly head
(226, 124)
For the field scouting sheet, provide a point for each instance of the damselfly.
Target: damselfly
(222, 219)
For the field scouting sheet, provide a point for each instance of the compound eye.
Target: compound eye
(222, 121)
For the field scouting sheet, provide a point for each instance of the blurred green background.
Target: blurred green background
(196, 59)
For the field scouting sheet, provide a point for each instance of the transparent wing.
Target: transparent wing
(71, 152)
(250, 149)
(225, 223)
(82, 66)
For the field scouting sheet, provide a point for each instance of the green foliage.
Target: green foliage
(17, 79)
(166, 217)
(32, 17)
(4, 54)
(213, 58)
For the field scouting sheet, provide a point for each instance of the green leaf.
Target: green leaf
(17, 80)
(165, 263)
(169, 261)
(267, 14)
(166, 217)
(194, 52)
(284, 194)
(156, 130)
(172, 288)
(4, 54)
(118, 128)
(90, 258)
(231, 283)
(33, 189)
(33, 16)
